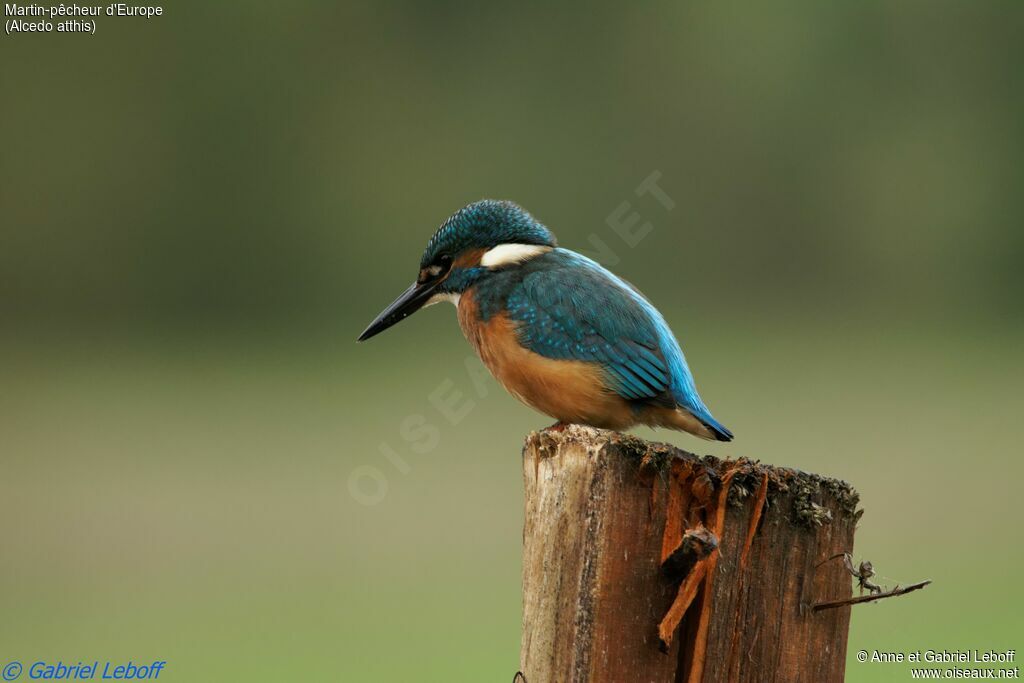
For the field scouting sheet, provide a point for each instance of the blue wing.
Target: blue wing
(569, 307)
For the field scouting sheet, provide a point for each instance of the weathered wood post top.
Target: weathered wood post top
(642, 562)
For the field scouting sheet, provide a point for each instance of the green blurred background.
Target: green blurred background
(201, 212)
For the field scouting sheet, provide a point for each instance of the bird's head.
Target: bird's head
(483, 237)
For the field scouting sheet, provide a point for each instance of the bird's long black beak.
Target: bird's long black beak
(410, 301)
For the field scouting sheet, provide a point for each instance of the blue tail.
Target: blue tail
(720, 431)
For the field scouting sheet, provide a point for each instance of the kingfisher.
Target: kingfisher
(559, 331)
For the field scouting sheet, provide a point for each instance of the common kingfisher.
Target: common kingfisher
(559, 331)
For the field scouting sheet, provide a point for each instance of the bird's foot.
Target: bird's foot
(557, 427)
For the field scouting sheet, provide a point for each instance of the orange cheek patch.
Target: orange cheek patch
(469, 259)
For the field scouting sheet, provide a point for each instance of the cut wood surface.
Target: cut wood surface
(642, 562)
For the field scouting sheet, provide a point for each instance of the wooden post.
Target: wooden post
(644, 563)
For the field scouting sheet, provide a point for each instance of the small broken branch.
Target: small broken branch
(863, 573)
(897, 591)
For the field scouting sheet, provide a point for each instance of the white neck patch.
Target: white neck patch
(443, 296)
(507, 254)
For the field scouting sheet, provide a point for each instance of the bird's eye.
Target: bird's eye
(441, 265)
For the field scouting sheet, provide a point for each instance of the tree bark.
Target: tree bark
(642, 562)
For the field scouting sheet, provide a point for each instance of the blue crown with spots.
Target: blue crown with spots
(486, 224)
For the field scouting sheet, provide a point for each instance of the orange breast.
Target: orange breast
(567, 390)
